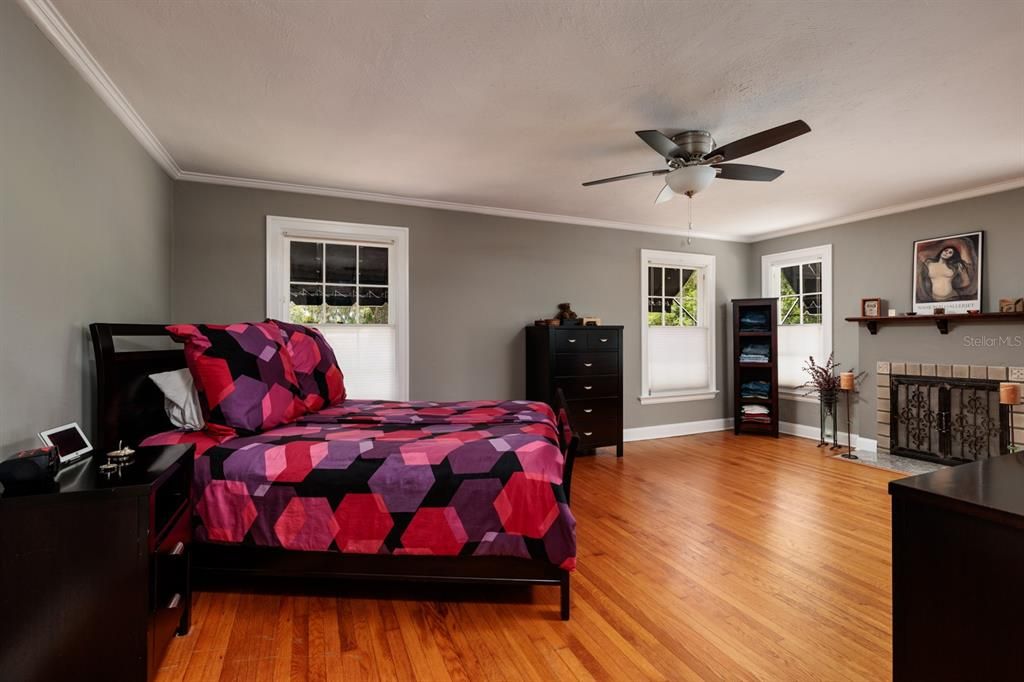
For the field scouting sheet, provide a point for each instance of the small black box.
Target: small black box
(29, 471)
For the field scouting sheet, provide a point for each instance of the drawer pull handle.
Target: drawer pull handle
(178, 549)
(175, 600)
(588, 364)
(604, 340)
(587, 388)
(588, 433)
(572, 340)
(588, 410)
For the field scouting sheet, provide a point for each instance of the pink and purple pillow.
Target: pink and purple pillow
(321, 381)
(243, 374)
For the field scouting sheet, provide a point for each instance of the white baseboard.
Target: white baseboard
(710, 425)
(867, 444)
(814, 433)
(800, 430)
(679, 429)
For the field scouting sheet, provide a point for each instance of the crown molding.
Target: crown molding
(518, 214)
(53, 26)
(993, 188)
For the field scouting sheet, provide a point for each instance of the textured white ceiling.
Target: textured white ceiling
(513, 104)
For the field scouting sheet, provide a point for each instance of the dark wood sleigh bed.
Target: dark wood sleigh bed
(129, 408)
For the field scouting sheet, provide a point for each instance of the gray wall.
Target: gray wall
(475, 281)
(872, 258)
(85, 220)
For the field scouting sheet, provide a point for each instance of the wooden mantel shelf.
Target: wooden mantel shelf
(941, 321)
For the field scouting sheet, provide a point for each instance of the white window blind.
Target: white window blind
(677, 359)
(350, 281)
(796, 344)
(366, 355)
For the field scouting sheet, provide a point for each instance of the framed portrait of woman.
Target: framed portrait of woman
(947, 273)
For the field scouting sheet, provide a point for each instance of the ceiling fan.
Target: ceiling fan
(694, 161)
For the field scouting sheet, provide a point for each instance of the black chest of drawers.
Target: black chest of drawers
(95, 573)
(586, 363)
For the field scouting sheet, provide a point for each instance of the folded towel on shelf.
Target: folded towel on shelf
(755, 389)
(754, 321)
(755, 352)
(756, 414)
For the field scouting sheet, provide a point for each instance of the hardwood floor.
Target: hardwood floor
(701, 557)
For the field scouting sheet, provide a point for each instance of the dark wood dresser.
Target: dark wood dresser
(586, 363)
(958, 572)
(95, 574)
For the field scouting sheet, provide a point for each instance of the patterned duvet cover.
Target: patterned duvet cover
(380, 477)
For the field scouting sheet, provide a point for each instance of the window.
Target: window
(677, 330)
(802, 281)
(350, 282)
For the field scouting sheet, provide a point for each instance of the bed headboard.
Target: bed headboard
(129, 406)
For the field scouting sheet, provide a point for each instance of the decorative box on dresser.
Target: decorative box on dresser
(748, 335)
(95, 573)
(586, 363)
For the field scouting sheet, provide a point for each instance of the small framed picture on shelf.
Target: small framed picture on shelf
(870, 307)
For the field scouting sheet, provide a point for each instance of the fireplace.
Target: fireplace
(945, 419)
(945, 413)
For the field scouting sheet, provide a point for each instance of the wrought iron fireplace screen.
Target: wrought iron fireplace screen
(947, 420)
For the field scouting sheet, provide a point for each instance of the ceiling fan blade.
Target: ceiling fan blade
(759, 141)
(624, 177)
(664, 195)
(659, 142)
(741, 171)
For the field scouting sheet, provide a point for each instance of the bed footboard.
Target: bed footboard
(571, 440)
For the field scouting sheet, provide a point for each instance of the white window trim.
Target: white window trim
(280, 228)
(706, 306)
(786, 258)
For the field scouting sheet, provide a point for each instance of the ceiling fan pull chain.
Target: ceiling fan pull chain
(689, 232)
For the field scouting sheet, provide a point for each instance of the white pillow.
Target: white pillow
(181, 402)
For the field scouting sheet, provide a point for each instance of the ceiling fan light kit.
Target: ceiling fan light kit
(689, 180)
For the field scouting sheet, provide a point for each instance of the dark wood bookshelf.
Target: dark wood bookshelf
(941, 321)
(750, 371)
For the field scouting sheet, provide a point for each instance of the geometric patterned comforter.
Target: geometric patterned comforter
(380, 477)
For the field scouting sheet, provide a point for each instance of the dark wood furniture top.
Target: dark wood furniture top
(958, 562)
(941, 321)
(96, 571)
(585, 363)
(991, 488)
(751, 371)
(130, 407)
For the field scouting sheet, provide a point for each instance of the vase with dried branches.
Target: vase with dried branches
(824, 381)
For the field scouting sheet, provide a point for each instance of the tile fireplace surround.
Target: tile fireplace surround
(886, 369)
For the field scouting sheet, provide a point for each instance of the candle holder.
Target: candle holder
(1009, 395)
(847, 384)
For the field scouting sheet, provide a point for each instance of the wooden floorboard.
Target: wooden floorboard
(709, 557)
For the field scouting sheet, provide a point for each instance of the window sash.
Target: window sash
(323, 283)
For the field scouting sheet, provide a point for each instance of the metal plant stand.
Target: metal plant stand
(828, 402)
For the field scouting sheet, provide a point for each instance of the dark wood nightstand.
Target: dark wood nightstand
(94, 575)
